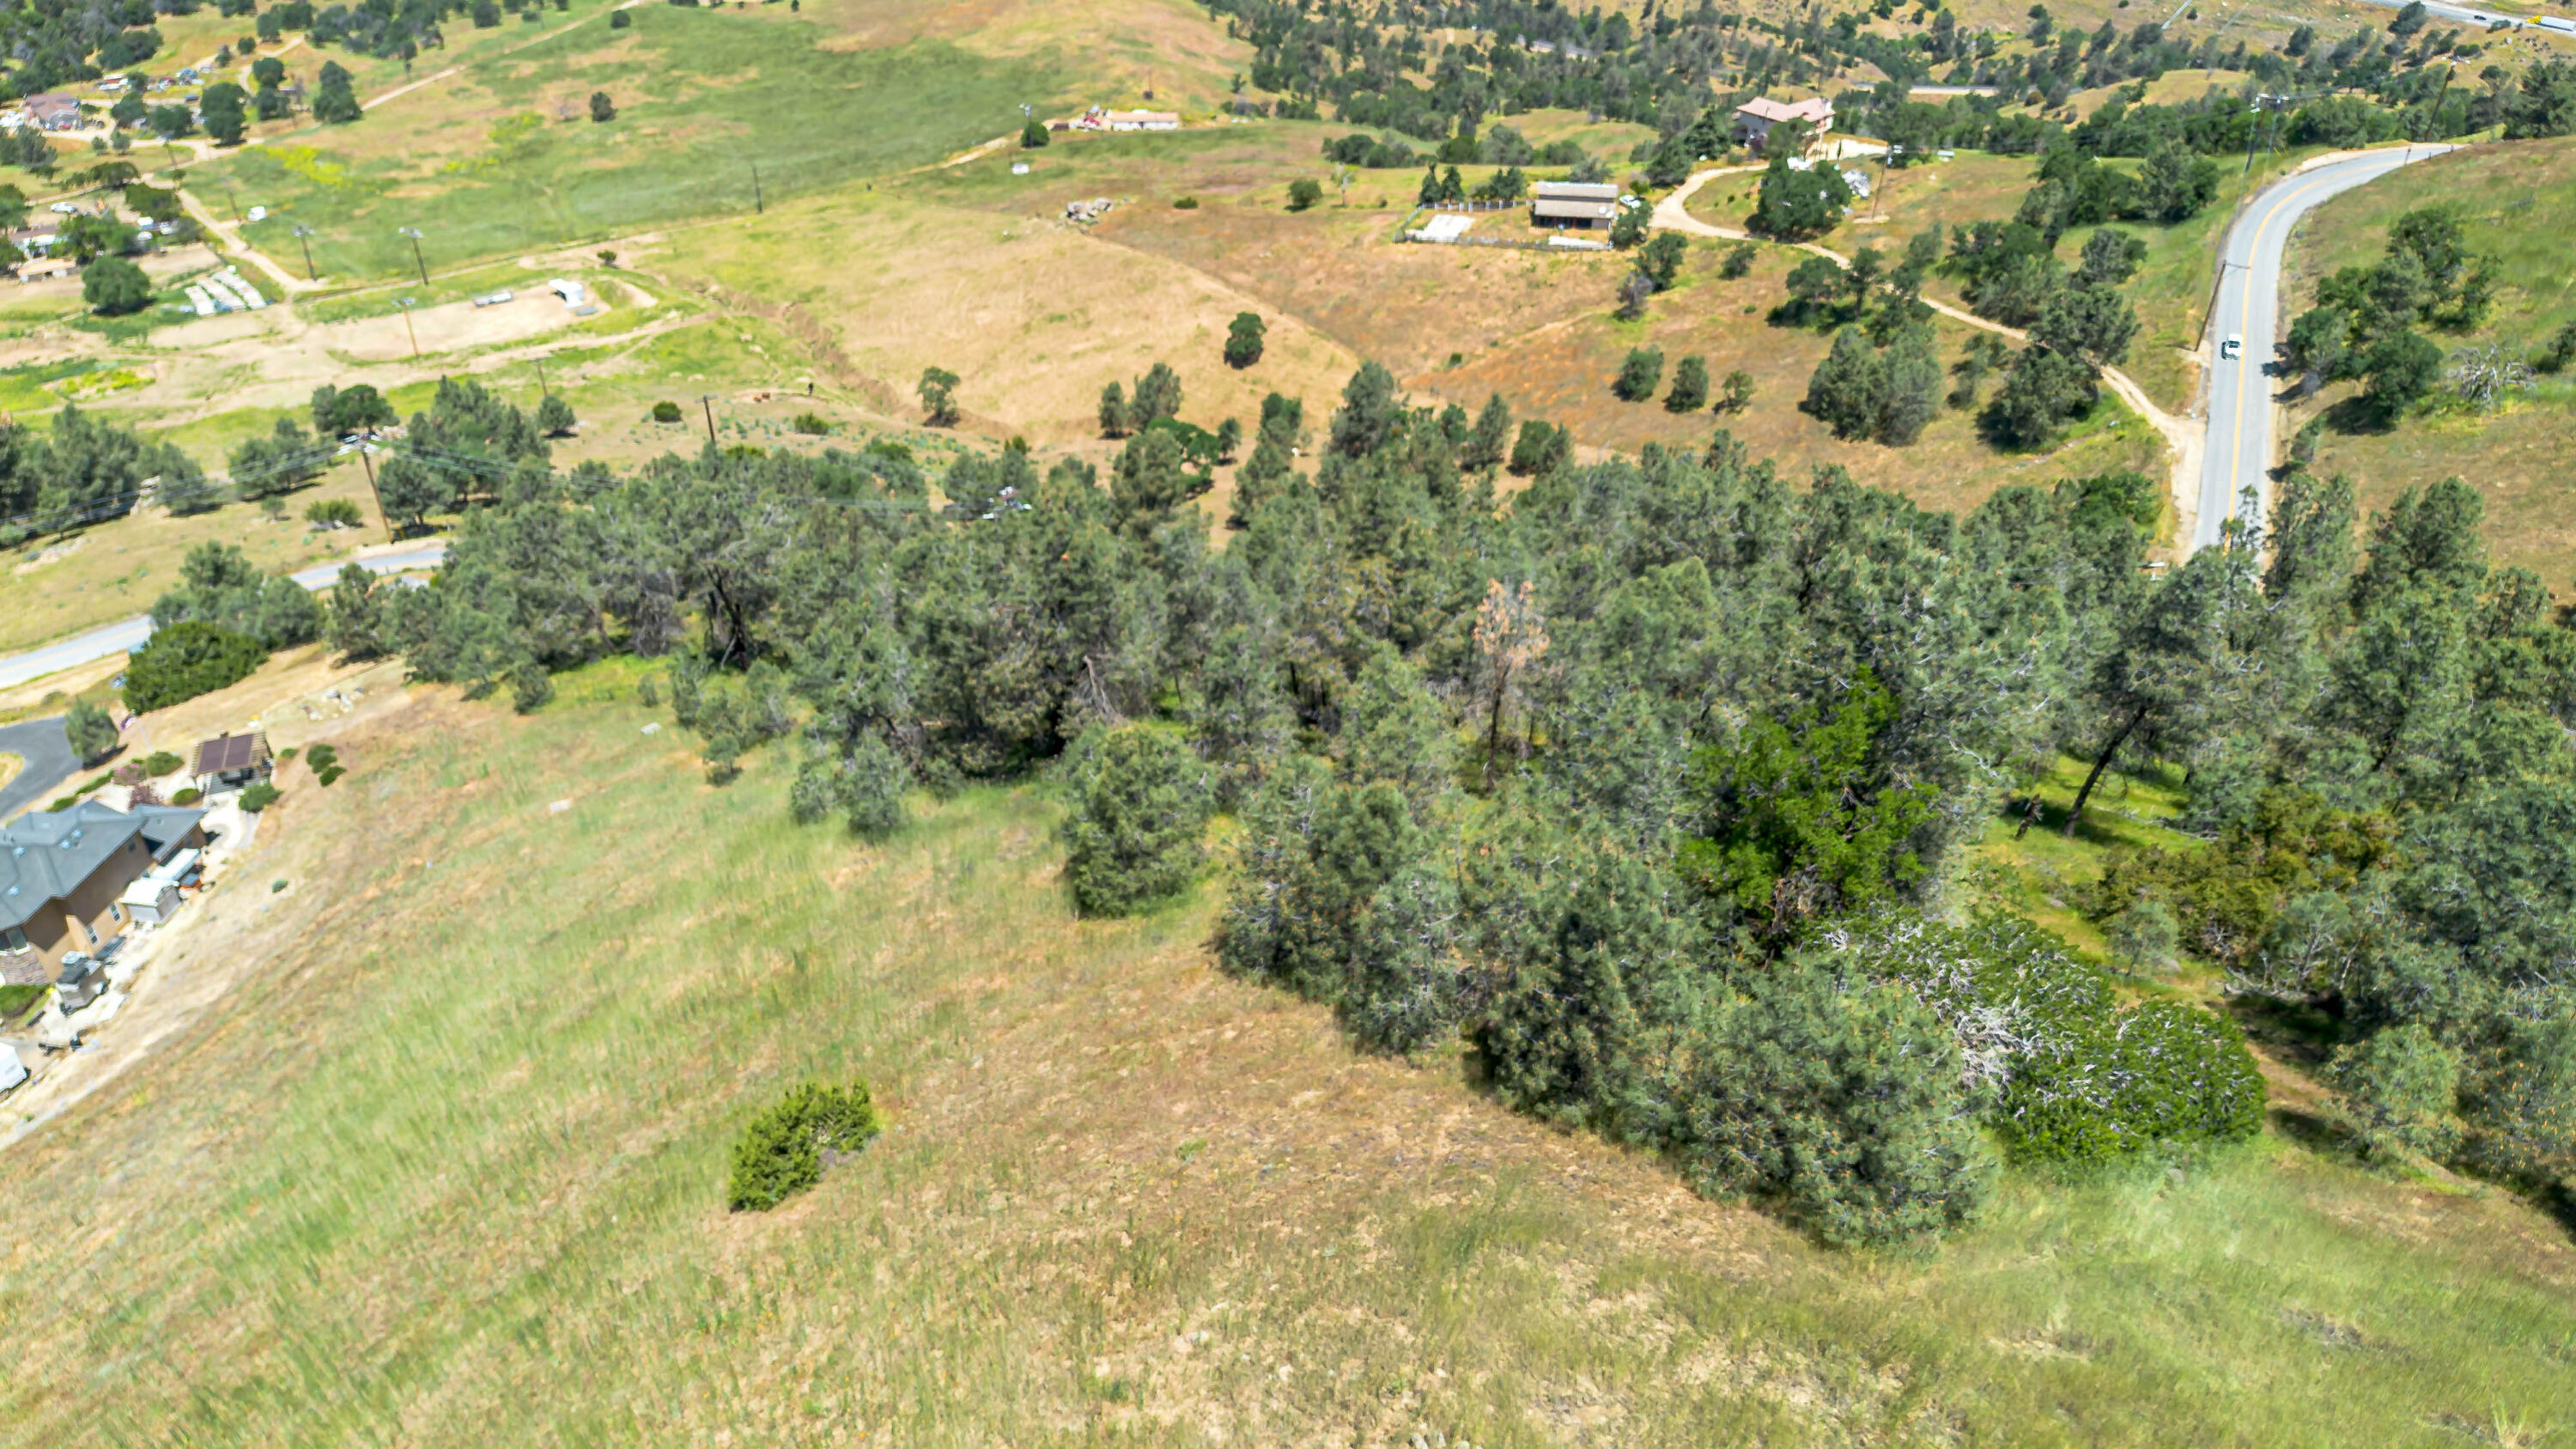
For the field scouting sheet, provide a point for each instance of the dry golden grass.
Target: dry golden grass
(983, 277)
(1563, 373)
(114, 570)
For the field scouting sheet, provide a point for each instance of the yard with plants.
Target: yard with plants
(457, 1173)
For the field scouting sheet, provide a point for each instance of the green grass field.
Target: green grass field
(449, 1170)
(703, 96)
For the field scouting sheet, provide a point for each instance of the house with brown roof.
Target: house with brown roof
(1755, 118)
(53, 111)
(64, 873)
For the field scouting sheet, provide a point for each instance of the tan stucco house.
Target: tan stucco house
(63, 874)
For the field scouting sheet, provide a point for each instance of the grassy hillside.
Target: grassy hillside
(2514, 199)
(506, 157)
(450, 1168)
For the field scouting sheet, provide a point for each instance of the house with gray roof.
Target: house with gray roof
(62, 874)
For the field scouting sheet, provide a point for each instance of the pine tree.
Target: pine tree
(1158, 396)
(1491, 438)
(1690, 385)
(1135, 840)
(1847, 392)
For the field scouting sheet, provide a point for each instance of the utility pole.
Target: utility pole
(304, 234)
(542, 391)
(366, 455)
(232, 200)
(406, 304)
(414, 233)
(710, 407)
(757, 208)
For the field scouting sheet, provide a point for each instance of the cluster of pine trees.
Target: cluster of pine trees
(1652, 784)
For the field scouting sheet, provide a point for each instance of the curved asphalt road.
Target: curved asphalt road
(49, 760)
(2239, 451)
(128, 636)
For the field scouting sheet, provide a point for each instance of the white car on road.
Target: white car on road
(2234, 346)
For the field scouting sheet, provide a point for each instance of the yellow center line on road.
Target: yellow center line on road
(2245, 308)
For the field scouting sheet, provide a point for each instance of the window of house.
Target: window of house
(13, 939)
(86, 931)
(116, 909)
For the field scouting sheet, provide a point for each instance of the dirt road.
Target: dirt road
(2183, 438)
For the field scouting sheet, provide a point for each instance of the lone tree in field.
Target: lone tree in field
(1243, 340)
(113, 286)
(1033, 135)
(335, 101)
(1690, 385)
(1638, 375)
(554, 417)
(602, 109)
(1303, 193)
(1136, 840)
(1661, 258)
(938, 390)
(1739, 392)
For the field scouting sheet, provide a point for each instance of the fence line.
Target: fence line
(1502, 241)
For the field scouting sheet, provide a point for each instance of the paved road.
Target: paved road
(48, 755)
(2239, 451)
(126, 637)
(2457, 12)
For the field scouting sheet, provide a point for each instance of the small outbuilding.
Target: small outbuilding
(230, 760)
(151, 900)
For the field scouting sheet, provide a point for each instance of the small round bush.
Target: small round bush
(784, 1150)
(259, 797)
(160, 762)
(1135, 841)
(188, 796)
(666, 411)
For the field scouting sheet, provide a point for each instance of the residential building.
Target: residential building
(53, 111)
(1755, 118)
(63, 874)
(1142, 120)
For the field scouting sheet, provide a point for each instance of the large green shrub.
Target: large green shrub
(185, 660)
(1842, 1098)
(259, 797)
(784, 1150)
(2076, 1076)
(1135, 839)
(2112, 1087)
